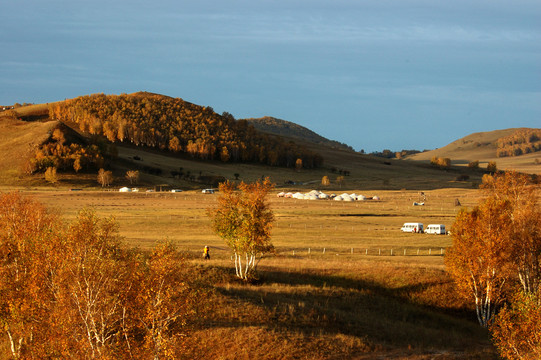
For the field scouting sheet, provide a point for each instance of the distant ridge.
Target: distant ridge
(281, 127)
(484, 147)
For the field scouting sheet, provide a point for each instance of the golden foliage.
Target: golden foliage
(178, 126)
(73, 292)
(244, 220)
(522, 141)
(497, 242)
(516, 331)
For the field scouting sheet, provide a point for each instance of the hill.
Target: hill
(289, 129)
(485, 147)
(346, 169)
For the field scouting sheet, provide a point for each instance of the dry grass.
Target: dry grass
(335, 305)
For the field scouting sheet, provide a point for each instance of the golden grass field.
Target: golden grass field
(344, 283)
(310, 304)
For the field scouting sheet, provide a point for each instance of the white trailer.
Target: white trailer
(438, 229)
(412, 227)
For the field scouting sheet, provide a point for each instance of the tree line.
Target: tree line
(522, 141)
(72, 291)
(178, 126)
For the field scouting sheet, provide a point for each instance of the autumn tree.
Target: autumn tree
(478, 260)
(340, 180)
(95, 281)
(325, 181)
(496, 242)
(474, 164)
(524, 242)
(166, 300)
(492, 167)
(298, 164)
(516, 331)
(244, 220)
(50, 175)
(28, 233)
(74, 292)
(105, 178)
(132, 176)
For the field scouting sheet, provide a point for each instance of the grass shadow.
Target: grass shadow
(327, 304)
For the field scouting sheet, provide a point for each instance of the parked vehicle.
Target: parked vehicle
(437, 229)
(412, 227)
(208, 191)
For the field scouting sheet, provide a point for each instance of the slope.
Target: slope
(482, 147)
(159, 166)
(19, 139)
(281, 127)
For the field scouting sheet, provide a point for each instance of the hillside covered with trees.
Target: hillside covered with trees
(172, 124)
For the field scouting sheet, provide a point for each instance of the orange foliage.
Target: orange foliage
(517, 329)
(73, 292)
(179, 126)
(523, 141)
(244, 220)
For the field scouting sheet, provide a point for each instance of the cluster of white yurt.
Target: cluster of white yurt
(319, 195)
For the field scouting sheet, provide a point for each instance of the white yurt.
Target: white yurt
(281, 194)
(124, 189)
(361, 197)
(298, 195)
(338, 198)
(323, 196)
(375, 198)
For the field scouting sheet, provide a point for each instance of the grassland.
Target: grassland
(483, 147)
(344, 282)
(310, 304)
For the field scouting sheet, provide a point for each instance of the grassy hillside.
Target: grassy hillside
(164, 167)
(483, 146)
(19, 139)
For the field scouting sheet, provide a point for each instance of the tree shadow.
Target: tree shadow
(327, 304)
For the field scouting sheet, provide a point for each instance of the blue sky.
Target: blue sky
(400, 74)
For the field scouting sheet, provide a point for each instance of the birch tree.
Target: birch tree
(479, 259)
(498, 242)
(95, 283)
(166, 300)
(525, 218)
(244, 220)
(27, 288)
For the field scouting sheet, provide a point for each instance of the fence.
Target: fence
(420, 251)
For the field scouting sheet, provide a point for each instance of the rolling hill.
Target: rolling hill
(158, 165)
(289, 129)
(483, 147)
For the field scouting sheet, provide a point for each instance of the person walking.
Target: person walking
(206, 253)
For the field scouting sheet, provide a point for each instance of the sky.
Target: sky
(378, 74)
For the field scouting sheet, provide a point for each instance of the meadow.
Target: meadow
(338, 286)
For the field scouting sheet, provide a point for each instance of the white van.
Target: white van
(437, 229)
(412, 227)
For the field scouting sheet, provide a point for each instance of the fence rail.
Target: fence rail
(372, 251)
